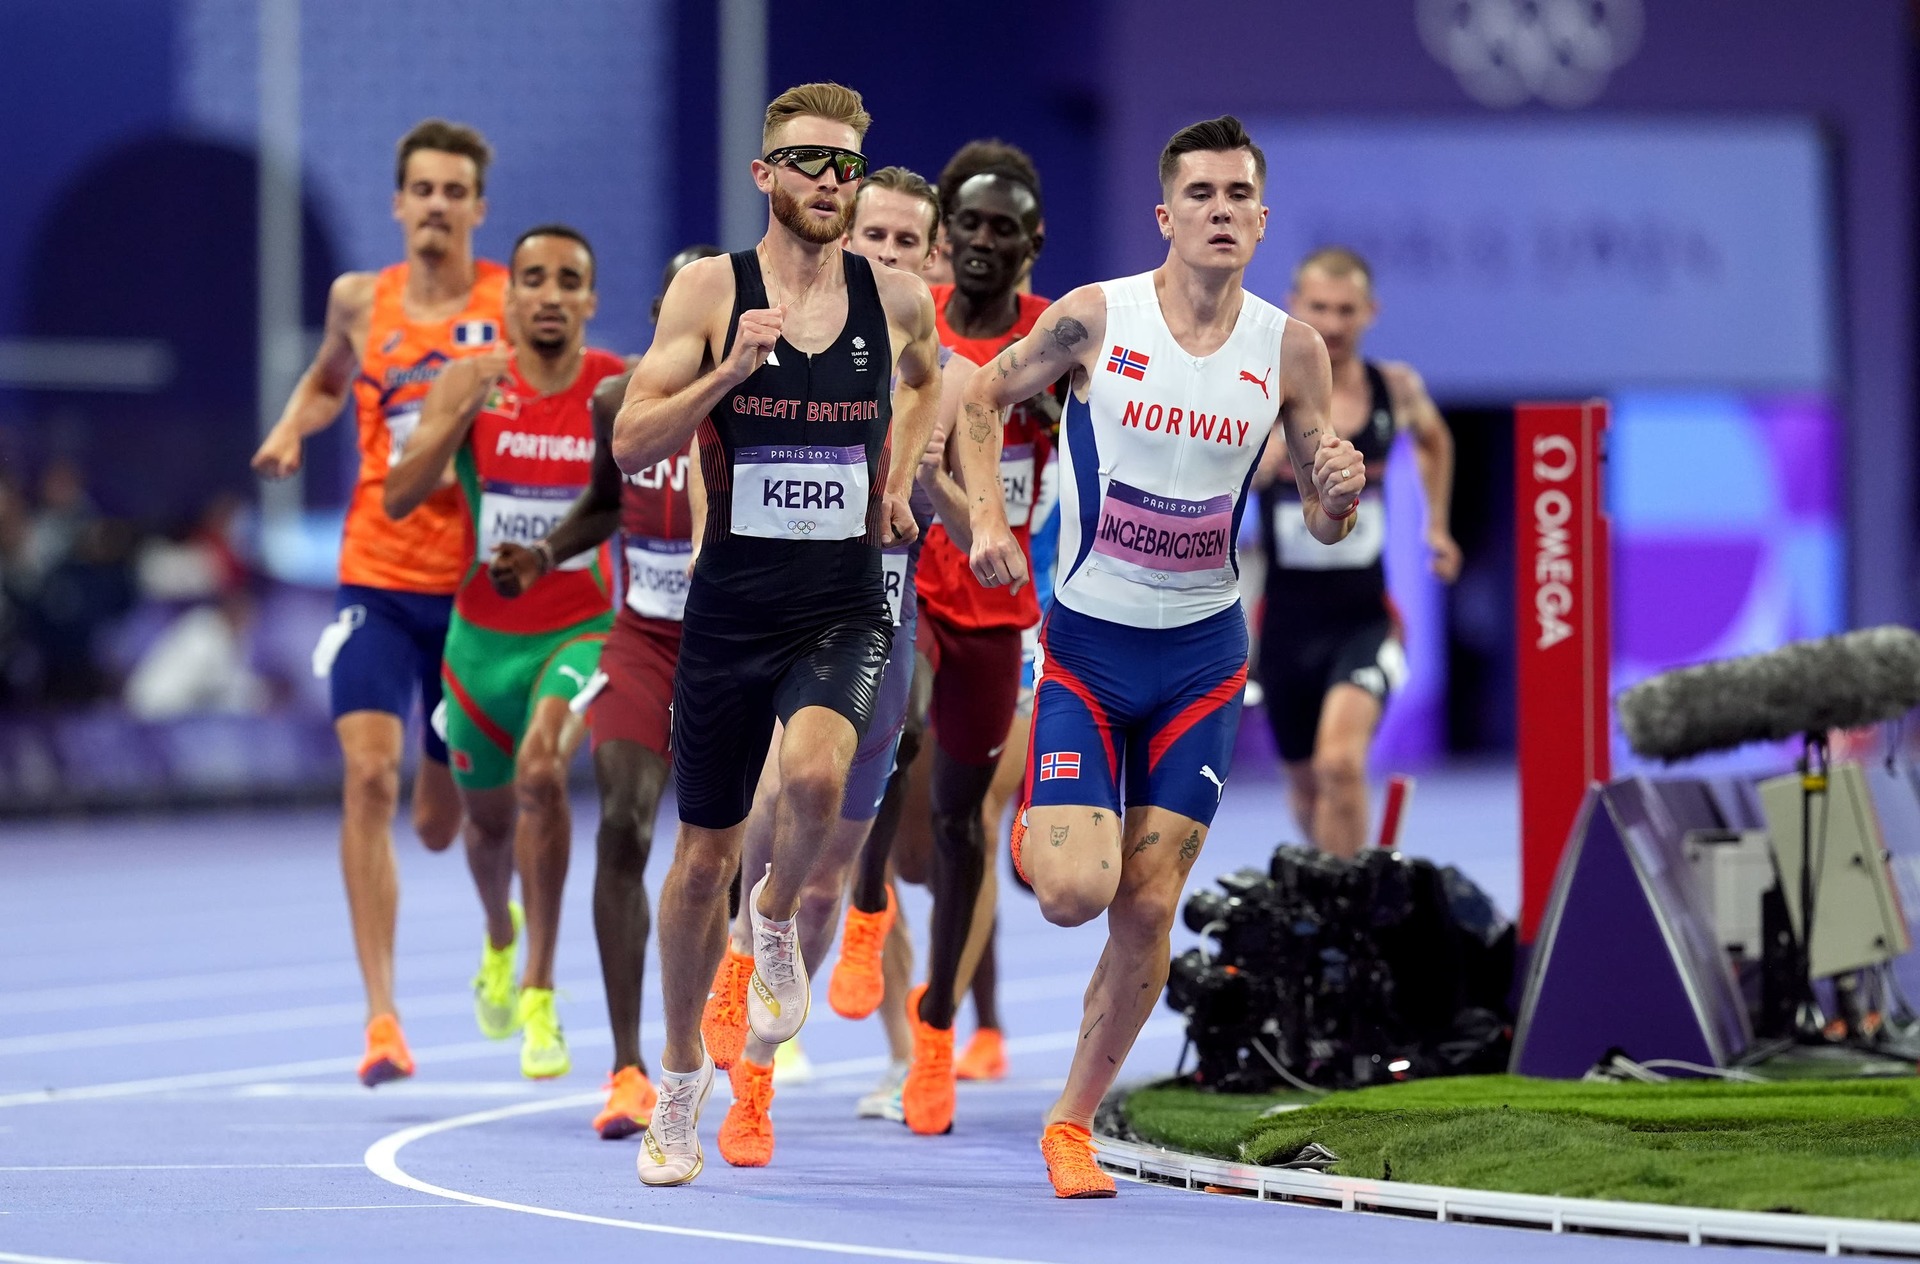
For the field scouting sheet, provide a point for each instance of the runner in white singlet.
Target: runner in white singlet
(1179, 375)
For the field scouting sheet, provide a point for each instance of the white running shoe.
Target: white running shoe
(778, 995)
(670, 1152)
(791, 1065)
(884, 1101)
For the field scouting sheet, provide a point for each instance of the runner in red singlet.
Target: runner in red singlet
(970, 634)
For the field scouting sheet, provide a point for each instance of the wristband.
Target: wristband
(1341, 517)
(543, 551)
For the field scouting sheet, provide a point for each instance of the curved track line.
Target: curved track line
(382, 1160)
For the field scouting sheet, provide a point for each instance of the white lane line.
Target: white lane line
(404, 1088)
(463, 1051)
(378, 1206)
(8, 1257)
(170, 1167)
(1044, 987)
(294, 1019)
(469, 1050)
(382, 1159)
(341, 974)
(195, 987)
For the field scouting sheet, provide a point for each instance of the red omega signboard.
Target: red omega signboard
(1563, 624)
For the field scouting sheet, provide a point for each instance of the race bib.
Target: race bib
(657, 577)
(1297, 550)
(1161, 540)
(893, 569)
(517, 513)
(402, 421)
(1017, 482)
(800, 492)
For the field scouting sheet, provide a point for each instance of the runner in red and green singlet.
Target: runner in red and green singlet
(525, 636)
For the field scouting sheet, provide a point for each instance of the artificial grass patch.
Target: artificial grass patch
(1849, 1148)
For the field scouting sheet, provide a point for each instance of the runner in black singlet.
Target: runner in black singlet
(780, 357)
(1330, 641)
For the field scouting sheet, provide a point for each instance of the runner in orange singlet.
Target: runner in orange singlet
(388, 335)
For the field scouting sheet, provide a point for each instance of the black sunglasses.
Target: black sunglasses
(812, 160)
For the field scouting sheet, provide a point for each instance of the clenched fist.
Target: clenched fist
(1339, 474)
(514, 568)
(753, 341)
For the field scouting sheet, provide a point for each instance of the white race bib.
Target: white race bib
(1162, 540)
(657, 577)
(402, 421)
(1297, 550)
(518, 513)
(1017, 482)
(893, 568)
(800, 492)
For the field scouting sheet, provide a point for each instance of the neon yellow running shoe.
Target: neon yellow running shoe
(495, 996)
(543, 1046)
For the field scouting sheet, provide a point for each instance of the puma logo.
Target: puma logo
(1260, 382)
(1206, 770)
(574, 672)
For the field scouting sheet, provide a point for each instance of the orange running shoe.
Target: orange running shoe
(985, 1057)
(723, 1024)
(629, 1105)
(1017, 836)
(857, 985)
(387, 1057)
(1068, 1149)
(746, 1136)
(927, 1096)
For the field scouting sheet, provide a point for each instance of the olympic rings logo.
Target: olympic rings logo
(1508, 52)
(804, 527)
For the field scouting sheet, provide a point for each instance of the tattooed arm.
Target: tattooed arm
(1062, 343)
(1326, 468)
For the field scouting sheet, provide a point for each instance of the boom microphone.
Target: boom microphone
(1838, 682)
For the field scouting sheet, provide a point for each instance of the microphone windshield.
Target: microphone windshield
(1848, 681)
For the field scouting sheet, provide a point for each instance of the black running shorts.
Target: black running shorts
(736, 675)
(1299, 665)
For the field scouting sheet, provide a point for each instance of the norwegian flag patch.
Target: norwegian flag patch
(1127, 363)
(1060, 766)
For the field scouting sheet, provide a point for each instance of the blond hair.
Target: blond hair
(911, 183)
(1335, 262)
(819, 100)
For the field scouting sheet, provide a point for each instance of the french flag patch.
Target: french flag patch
(475, 333)
(1060, 766)
(1127, 363)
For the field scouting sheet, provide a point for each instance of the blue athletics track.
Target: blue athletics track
(180, 1018)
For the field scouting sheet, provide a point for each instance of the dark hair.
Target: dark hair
(557, 230)
(689, 255)
(911, 183)
(1335, 261)
(446, 138)
(1214, 135)
(989, 157)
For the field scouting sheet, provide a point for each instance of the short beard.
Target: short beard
(794, 218)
